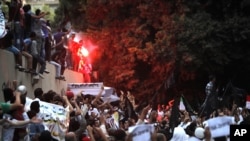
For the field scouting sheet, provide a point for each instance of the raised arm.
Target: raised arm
(143, 114)
(17, 103)
(39, 16)
(97, 98)
(68, 103)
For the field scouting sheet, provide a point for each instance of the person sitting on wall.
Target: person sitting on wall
(7, 43)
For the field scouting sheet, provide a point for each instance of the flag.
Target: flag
(174, 118)
(188, 107)
(181, 105)
(129, 110)
(248, 102)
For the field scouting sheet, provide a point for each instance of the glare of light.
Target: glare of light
(84, 51)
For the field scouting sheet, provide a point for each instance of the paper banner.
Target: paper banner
(55, 117)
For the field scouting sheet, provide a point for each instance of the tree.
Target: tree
(149, 46)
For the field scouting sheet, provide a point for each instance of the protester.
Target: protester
(85, 67)
(7, 44)
(59, 50)
(38, 94)
(37, 128)
(32, 43)
(47, 39)
(15, 18)
(211, 98)
(94, 119)
(71, 49)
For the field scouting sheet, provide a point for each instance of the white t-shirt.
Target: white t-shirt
(95, 111)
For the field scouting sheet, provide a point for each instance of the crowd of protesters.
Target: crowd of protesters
(91, 118)
(29, 34)
(25, 37)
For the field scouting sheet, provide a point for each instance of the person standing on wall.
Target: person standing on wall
(209, 103)
(85, 68)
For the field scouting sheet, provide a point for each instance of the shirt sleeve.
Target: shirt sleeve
(5, 107)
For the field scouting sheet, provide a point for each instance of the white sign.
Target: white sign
(55, 117)
(111, 98)
(141, 132)
(2, 24)
(85, 85)
(86, 88)
(219, 126)
(94, 89)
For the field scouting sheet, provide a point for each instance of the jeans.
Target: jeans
(58, 68)
(37, 58)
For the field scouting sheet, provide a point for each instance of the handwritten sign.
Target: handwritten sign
(86, 88)
(219, 126)
(85, 85)
(141, 132)
(94, 89)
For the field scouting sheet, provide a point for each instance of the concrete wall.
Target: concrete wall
(8, 73)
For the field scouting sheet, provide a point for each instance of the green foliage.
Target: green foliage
(213, 45)
(51, 16)
(5, 9)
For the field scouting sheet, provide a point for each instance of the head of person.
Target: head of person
(70, 95)
(38, 12)
(48, 97)
(118, 134)
(72, 35)
(26, 8)
(35, 106)
(153, 116)
(38, 93)
(57, 99)
(46, 136)
(212, 78)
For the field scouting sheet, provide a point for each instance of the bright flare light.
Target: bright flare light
(84, 51)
